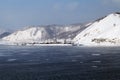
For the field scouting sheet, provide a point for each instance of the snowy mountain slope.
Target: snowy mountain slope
(30, 34)
(104, 31)
(3, 33)
(43, 33)
(63, 32)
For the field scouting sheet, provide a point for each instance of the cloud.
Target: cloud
(71, 6)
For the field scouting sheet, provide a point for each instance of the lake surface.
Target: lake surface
(59, 63)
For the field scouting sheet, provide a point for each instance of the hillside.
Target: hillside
(45, 34)
(104, 31)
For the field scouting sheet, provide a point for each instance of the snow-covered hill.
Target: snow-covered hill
(104, 31)
(63, 31)
(44, 34)
(3, 33)
(29, 34)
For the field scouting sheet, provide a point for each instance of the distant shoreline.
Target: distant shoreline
(27, 44)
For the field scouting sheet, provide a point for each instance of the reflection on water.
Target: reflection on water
(59, 63)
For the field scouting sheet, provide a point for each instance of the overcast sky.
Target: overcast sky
(15, 14)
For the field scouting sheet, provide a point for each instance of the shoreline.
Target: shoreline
(56, 44)
(33, 44)
(50, 45)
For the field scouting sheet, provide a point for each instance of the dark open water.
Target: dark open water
(59, 63)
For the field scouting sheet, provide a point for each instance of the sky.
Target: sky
(15, 14)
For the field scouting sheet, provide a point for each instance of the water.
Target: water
(59, 63)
